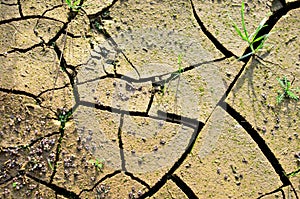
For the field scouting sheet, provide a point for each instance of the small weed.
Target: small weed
(14, 184)
(64, 116)
(98, 164)
(251, 39)
(174, 75)
(287, 91)
(50, 165)
(294, 173)
(73, 5)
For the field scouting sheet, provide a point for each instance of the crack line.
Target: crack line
(216, 43)
(183, 186)
(258, 140)
(20, 92)
(57, 189)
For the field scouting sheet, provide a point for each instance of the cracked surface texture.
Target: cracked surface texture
(147, 99)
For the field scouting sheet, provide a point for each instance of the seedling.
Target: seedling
(63, 117)
(73, 5)
(98, 164)
(294, 173)
(14, 184)
(174, 75)
(251, 39)
(50, 165)
(287, 91)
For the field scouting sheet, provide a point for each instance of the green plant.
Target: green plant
(174, 75)
(14, 184)
(73, 5)
(294, 173)
(287, 91)
(251, 39)
(98, 164)
(50, 165)
(64, 116)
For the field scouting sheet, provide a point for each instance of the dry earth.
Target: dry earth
(146, 99)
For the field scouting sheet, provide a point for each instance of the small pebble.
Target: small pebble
(139, 193)
(226, 177)
(187, 165)
(162, 142)
(244, 161)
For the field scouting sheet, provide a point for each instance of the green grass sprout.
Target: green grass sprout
(175, 74)
(99, 164)
(73, 5)
(294, 173)
(287, 91)
(251, 39)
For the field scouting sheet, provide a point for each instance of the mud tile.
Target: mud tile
(169, 190)
(34, 71)
(118, 186)
(22, 120)
(161, 42)
(226, 159)
(24, 187)
(77, 165)
(18, 34)
(152, 145)
(255, 93)
(285, 46)
(9, 11)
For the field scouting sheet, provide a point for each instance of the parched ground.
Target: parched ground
(147, 99)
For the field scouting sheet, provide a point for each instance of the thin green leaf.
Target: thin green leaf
(239, 32)
(260, 26)
(279, 98)
(292, 95)
(260, 38)
(280, 82)
(288, 84)
(242, 57)
(243, 19)
(260, 46)
(76, 3)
